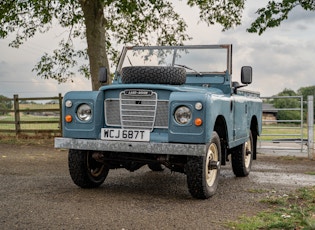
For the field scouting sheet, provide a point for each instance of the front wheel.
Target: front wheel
(242, 157)
(203, 172)
(85, 171)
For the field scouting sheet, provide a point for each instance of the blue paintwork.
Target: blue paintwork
(80, 129)
(214, 91)
(215, 103)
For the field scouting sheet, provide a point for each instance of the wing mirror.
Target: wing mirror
(102, 75)
(246, 78)
(246, 74)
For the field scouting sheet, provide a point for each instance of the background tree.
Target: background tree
(106, 23)
(103, 23)
(305, 92)
(277, 11)
(5, 104)
(287, 103)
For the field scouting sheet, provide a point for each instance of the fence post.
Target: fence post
(60, 113)
(310, 127)
(17, 115)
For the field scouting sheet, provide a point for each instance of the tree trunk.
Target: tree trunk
(96, 40)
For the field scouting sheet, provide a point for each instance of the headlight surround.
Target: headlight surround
(84, 112)
(183, 115)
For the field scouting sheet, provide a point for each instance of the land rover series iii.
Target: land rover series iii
(167, 106)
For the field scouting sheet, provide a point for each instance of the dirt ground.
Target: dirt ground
(36, 192)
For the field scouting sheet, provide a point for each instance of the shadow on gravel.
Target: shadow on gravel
(36, 192)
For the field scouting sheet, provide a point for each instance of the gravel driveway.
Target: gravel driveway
(36, 192)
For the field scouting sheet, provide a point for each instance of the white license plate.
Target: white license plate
(125, 134)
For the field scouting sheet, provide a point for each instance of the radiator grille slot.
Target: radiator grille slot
(136, 111)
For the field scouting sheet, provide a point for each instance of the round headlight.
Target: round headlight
(182, 115)
(84, 112)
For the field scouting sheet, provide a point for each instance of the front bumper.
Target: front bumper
(134, 147)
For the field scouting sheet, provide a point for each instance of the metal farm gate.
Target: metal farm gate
(284, 128)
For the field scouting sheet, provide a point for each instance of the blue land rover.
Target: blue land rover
(168, 106)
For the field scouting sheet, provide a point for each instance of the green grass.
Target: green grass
(38, 106)
(294, 211)
(283, 131)
(41, 126)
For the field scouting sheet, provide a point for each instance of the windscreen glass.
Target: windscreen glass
(203, 60)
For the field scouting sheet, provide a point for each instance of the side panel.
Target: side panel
(240, 121)
(245, 108)
(219, 105)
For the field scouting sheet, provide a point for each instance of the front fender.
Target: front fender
(83, 129)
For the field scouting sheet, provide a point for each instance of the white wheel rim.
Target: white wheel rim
(212, 155)
(94, 171)
(248, 149)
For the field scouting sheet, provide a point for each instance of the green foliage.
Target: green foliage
(289, 104)
(228, 13)
(294, 211)
(133, 22)
(60, 65)
(5, 104)
(25, 18)
(292, 103)
(136, 22)
(306, 91)
(275, 12)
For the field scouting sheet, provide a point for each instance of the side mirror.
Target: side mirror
(102, 75)
(246, 74)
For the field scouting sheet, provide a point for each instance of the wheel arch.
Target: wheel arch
(220, 127)
(255, 133)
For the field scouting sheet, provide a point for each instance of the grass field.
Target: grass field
(272, 132)
(293, 211)
(27, 115)
(40, 126)
(38, 106)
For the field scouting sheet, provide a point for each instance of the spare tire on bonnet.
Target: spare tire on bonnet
(153, 75)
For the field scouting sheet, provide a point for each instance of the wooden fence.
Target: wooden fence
(31, 115)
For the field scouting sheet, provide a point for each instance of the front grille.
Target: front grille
(136, 109)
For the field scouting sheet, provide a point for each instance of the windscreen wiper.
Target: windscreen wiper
(186, 67)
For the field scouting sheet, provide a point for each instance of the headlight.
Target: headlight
(182, 115)
(84, 112)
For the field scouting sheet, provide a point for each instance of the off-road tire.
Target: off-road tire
(153, 75)
(84, 170)
(242, 157)
(201, 180)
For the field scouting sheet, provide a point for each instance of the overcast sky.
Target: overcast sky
(283, 57)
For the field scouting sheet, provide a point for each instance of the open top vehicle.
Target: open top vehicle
(168, 106)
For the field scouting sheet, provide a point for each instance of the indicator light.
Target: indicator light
(68, 118)
(198, 122)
